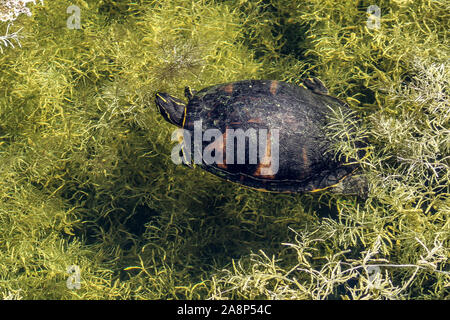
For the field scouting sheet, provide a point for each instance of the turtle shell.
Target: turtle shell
(298, 113)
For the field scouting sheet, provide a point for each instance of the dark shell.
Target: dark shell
(297, 112)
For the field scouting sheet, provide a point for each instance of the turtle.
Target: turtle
(280, 118)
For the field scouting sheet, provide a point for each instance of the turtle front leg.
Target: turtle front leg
(315, 85)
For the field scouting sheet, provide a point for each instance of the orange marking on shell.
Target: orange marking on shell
(273, 87)
(228, 88)
(266, 162)
(306, 163)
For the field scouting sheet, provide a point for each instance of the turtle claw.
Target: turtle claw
(315, 85)
(277, 108)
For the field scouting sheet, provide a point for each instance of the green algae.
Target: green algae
(87, 180)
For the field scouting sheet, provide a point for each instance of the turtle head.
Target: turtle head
(353, 185)
(171, 108)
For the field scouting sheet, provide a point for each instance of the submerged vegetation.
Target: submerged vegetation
(86, 178)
